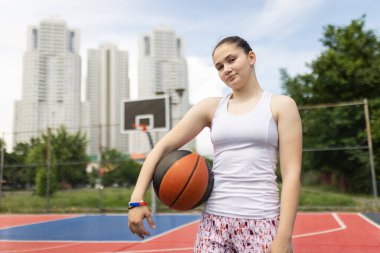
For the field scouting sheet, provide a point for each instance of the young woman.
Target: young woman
(249, 127)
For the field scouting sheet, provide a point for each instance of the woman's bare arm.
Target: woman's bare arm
(195, 120)
(290, 151)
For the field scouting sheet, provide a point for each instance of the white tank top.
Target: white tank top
(245, 157)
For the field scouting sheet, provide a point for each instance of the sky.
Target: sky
(283, 34)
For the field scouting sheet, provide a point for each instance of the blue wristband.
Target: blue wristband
(135, 204)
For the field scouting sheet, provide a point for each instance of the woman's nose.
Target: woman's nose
(227, 70)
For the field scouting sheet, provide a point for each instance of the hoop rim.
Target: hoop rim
(142, 127)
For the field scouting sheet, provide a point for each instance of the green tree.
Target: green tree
(19, 174)
(16, 173)
(69, 152)
(68, 158)
(348, 69)
(119, 169)
(41, 184)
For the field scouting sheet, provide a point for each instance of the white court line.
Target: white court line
(153, 250)
(148, 250)
(170, 231)
(46, 248)
(316, 213)
(369, 220)
(67, 241)
(337, 219)
(40, 222)
(134, 251)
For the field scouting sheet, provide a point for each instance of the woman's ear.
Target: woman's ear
(252, 58)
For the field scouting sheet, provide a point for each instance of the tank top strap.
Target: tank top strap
(267, 97)
(265, 102)
(222, 102)
(220, 106)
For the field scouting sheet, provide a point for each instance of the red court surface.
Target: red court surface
(314, 232)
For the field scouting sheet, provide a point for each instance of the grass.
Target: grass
(324, 198)
(68, 201)
(313, 198)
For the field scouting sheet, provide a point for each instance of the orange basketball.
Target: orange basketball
(183, 180)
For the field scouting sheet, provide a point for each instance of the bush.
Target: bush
(41, 182)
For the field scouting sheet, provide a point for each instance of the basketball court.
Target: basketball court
(314, 232)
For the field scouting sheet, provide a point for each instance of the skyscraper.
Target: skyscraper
(162, 70)
(107, 86)
(51, 81)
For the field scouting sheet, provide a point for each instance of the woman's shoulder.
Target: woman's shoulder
(208, 105)
(282, 104)
(283, 99)
(209, 102)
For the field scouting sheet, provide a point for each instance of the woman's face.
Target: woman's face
(233, 64)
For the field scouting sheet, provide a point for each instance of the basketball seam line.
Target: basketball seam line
(184, 187)
(208, 191)
(158, 181)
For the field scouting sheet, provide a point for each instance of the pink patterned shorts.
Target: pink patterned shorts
(225, 234)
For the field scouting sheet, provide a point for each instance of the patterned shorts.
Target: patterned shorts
(225, 234)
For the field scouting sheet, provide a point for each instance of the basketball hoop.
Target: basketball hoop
(153, 112)
(142, 127)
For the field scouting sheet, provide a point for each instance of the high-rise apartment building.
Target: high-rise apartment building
(162, 71)
(107, 87)
(51, 81)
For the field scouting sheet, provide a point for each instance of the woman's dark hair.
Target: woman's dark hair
(237, 41)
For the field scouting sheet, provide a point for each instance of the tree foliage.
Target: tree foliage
(41, 182)
(16, 173)
(27, 164)
(119, 169)
(19, 174)
(68, 158)
(348, 69)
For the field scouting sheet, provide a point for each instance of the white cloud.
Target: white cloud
(271, 59)
(280, 18)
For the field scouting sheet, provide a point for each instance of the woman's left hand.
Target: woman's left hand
(280, 245)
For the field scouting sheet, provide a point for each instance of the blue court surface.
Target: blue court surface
(92, 228)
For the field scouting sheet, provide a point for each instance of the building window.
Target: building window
(71, 41)
(35, 38)
(178, 47)
(147, 45)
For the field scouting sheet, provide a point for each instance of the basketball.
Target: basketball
(183, 180)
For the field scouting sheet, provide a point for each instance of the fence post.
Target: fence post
(370, 150)
(48, 169)
(1, 169)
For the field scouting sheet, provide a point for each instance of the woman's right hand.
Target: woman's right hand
(135, 221)
(195, 120)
